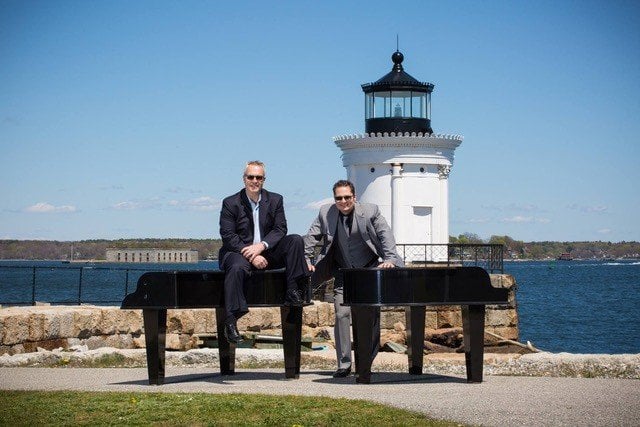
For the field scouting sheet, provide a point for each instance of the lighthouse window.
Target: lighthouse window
(381, 104)
(368, 106)
(372, 170)
(419, 105)
(422, 170)
(401, 104)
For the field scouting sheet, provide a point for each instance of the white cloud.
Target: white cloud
(204, 203)
(182, 190)
(604, 231)
(518, 207)
(596, 209)
(112, 187)
(588, 209)
(518, 218)
(138, 204)
(317, 204)
(525, 219)
(44, 207)
(127, 206)
(477, 221)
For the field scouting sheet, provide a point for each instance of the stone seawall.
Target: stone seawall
(25, 329)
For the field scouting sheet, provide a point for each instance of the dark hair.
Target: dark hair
(344, 183)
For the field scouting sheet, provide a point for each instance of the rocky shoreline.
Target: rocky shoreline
(541, 364)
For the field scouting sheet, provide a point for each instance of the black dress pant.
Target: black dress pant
(288, 253)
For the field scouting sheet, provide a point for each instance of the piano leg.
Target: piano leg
(291, 318)
(226, 350)
(415, 338)
(363, 319)
(155, 334)
(473, 330)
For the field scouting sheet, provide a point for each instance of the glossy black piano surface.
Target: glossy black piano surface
(420, 286)
(415, 288)
(158, 291)
(203, 289)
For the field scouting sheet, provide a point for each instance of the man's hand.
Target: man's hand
(252, 251)
(311, 267)
(259, 262)
(386, 264)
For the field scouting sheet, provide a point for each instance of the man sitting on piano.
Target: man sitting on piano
(253, 228)
(354, 235)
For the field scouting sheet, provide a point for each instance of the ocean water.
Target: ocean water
(579, 306)
(571, 306)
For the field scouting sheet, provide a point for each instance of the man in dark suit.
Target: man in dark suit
(353, 235)
(253, 228)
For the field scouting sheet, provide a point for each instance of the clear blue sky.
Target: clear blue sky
(127, 119)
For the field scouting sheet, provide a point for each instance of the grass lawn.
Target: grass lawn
(108, 408)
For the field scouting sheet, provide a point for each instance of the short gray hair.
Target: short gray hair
(255, 163)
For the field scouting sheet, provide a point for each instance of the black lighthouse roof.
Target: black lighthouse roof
(398, 103)
(397, 78)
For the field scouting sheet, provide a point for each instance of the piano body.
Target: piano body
(158, 291)
(415, 288)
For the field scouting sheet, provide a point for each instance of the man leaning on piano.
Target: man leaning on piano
(354, 235)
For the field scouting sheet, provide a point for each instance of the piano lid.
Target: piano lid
(420, 286)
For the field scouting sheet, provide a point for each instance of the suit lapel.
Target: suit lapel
(264, 208)
(332, 220)
(358, 215)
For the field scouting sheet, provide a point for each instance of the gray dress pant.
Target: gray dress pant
(342, 328)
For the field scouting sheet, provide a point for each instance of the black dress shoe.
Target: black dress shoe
(293, 297)
(231, 333)
(363, 380)
(342, 372)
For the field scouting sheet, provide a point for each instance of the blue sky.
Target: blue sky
(124, 119)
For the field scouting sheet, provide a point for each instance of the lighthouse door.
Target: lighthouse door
(420, 228)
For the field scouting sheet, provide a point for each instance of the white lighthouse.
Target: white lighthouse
(400, 164)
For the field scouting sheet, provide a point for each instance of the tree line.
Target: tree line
(518, 249)
(97, 249)
(208, 248)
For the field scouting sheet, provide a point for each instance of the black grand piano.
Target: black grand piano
(158, 291)
(415, 288)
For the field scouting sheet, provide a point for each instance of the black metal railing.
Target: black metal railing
(489, 257)
(26, 285)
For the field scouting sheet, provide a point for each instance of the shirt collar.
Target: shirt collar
(253, 204)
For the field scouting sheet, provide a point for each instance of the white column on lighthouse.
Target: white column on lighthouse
(396, 175)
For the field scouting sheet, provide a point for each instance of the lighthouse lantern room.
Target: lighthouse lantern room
(400, 164)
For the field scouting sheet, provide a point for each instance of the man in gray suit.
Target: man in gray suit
(353, 235)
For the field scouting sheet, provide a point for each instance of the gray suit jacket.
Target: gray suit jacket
(372, 226)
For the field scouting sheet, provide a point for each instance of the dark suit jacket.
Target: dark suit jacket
(236, 221)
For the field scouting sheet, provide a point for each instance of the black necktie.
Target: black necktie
(346, 224)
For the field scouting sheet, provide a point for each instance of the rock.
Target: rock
(310, 316)
(399, 327)
(448, 337)
(394, 347)
(389, 318)
(326, 313)
(79, 348)
(322, 334)
(430, 347)
(392, 336)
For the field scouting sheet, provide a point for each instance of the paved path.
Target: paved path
(498, 401)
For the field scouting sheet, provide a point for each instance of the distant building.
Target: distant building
(151, 255)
